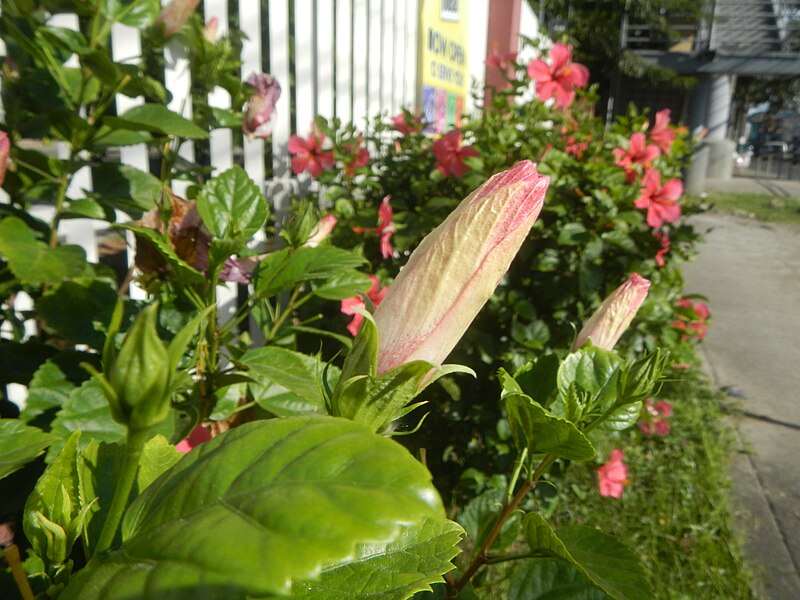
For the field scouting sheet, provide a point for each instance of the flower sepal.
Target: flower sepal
(378, 400)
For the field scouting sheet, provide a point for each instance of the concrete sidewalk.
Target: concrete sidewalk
(748, 183)
(750, 273)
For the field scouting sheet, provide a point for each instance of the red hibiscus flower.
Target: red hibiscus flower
(660, 201)
(375, 295)
(407, 124)
(655, 415)
(361, 156)
(500, 61)
(450, 153)
(308, 154)
(5, 150)
(692, 319)
(385, 227)
(560, 77)
(661, 134)
(198, 436)
(638, 153)
(663, 238)
(613, 476)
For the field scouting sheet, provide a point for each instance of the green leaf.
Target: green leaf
(343, 285)
(573, 234)
(262, 505)
(284, 270)
(603, 559)
(159, 119)
(231, 205)
(224, 117)
(125, 187)
(480, 515)
(413, 562)
(594, 371)
(85, 208)
(79, 310)
(32, 261)
(87, 410)
(48, 389)
(158, 456)
(551, 579)
(544, 433)
(622, 240)
(20, 444)
(538, 378)
(134, 13)
(287, 382)
(622, 417)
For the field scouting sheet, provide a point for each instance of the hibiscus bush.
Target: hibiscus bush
(173, 446)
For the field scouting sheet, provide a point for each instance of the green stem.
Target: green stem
(290, 307)
(127, 476)
(61, 195)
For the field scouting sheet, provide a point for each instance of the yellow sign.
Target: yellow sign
(443, 68)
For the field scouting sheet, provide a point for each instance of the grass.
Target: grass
(770, 209)
(675, 514)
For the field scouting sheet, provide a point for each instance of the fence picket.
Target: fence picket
(344, 59)
(325, 52)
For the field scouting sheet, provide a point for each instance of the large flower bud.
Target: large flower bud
(456, 268)
(175, 14)
(615, 314)
(139, 375)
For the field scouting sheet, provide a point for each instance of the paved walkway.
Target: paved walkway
(750, 272)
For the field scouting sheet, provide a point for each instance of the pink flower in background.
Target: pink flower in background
(375, 294)
(456, 268)
(661, 134)
(614, 315)
(575, 147)
(211, 29)
(385, 227)
(406, 124)
(308, 154)
(655, 415)
(665, 242)
(198, 436)
(175, 14)
(361, 156)
(560, 77)
(660, 201)
(638, 153)
(5, 150)
(450, 153)
(259, 114)
(692, 319)
(613, 476)
(501, 61)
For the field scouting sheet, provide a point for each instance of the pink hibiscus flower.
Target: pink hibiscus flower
(638, 153)
(613, 476)
(375, 294)
(385, 227)
(560, 77)
(308, 154)
(5, 150)
(361, 156)
(660, 201)
(665, 242)
(692, 319)
(661, 134)
(655, 418)
(198, 436)
(450, 153)
(500, 61)
(406, 124)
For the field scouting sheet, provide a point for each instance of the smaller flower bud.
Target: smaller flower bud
(140, 374)
(175, 14)
(211, 30)
(615, 314)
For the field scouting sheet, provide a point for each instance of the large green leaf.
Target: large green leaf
(480, 515)
(20, 444)
(286, 382)
(79, 310)
(344, 285)
(288, 268)
(410, 564)
(231, 205)
(125, 187)
(48, 389)
(603, 559)
(32, 261)
(551, 579)
(261, 506)
(135, 13)
(159, 119)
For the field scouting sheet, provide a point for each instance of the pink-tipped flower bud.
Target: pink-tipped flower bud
(5, 150)
(615, 314)
(456, 268)
(211, 30)
(175, 14)
(321, 231)
(259, 113)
